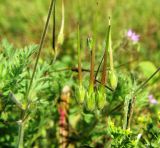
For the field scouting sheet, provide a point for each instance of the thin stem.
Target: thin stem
(105, 86)
(99, 66)
(92, 64)
(145, 82)
(54, 25)
(21, 126)
(96, 71)
(130, 112)
(79, 57)
(92, 68)
(20, 135)
(60, 38)
(40, 47)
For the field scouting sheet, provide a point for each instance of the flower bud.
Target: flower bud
(81, 94)
(101, 99)
(113, 80)
(90, 101)
(90, 43)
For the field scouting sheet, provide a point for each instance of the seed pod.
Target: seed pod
(61, 32)
(101, 99)
(81, 94)
(113, 79)
(90, 43)
(90, 101)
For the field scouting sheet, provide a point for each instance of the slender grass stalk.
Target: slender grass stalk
(60, 38)
(81, 89)
(105, 53)
(75, 69)
(21, 126)
(20, 135)
(90, 97)
(105, 86)
(54, 27)
(101, 98)
(79, 57)
(40, 47)
(146, 81)
(104, 68)
(92, 64)
(99, 66)
(95, 23)
(128, 110)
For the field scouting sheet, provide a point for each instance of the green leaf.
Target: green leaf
(147, 68)
(88, 117)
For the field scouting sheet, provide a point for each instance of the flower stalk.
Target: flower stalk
(79, 57)
(81, 89)
(90, 98)
(21, 126)
(20, 134)
(101, 93)
(128, 110)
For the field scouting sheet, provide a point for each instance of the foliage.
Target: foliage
(114, 93)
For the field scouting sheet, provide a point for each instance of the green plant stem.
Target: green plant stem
(79, 57)
(20, 135)
(104, 70)
(54, 26)
(40, 47)
(75, 69)
(145, 82)
(105, 86)
(92, 70)
(130, 112)
(99, 66)
(21, 127)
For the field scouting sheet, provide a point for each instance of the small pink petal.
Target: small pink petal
(152, 100)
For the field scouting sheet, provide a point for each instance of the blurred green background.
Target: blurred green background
(22, 21)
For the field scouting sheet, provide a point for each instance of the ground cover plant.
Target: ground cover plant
(91, 80)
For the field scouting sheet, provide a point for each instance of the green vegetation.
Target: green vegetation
(88, 74)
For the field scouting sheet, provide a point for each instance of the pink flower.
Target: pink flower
(132, 36)
(152, 100)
